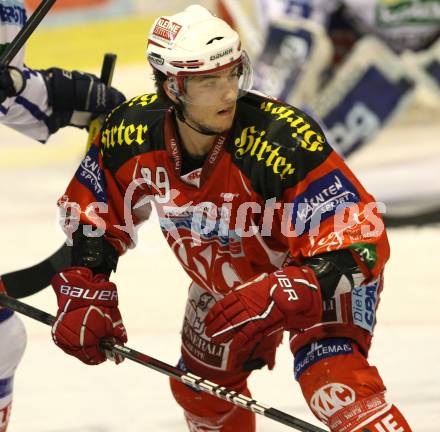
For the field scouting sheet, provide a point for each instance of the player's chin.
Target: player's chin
(223, 120)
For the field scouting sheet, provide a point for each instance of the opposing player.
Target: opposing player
(37, 103)
(275, 231)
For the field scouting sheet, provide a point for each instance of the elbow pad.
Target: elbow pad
(330, 268)
(95, 253)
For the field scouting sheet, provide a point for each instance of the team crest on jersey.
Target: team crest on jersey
(330, 398)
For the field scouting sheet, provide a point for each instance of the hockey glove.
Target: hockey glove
(74, 96)
(12, 82)
(288, 299)
(87, 312)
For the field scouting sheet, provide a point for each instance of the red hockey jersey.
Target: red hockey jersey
(271, 191)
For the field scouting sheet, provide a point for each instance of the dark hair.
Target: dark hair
(159, 79)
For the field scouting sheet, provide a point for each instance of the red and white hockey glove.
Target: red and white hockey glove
(288, 299)
(87, 312)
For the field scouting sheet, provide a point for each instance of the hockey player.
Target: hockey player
(275, 231)
(37, 103)
(344, 59)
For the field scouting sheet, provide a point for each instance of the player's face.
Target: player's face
(210, 100)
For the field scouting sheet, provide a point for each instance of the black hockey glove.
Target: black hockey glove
(12, 82)
(75, 96)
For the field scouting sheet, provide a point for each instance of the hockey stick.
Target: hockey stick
(190, 379)
(22, 36)
(108, 67)
(30, 280)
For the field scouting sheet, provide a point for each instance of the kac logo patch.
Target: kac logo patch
(330, 398)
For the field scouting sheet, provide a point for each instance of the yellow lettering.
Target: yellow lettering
(256, 143)
(299, 120)
(114, 131)
(248, 142)
(315, 145)
(278, 161)
(287, 171)
(245, 138)
(105, 137)
(127, 135)
(143, 100)
(141, 130)
(120, 130)
(273, 153)
(265, 147)
(286, 115)
(266, 106)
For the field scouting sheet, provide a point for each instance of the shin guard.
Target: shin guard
(343, 390)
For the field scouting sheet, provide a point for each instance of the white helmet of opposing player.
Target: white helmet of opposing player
(195, 42)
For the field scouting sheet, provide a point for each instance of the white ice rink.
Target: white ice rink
(55, 393)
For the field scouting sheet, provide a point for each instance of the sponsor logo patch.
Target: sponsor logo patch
(154, 58)
(194, 340)
(90, 175)
(251, 141)
(316, 351)
(166, 29)
(404, 12)
(321, 199)
(367, 252)
(330, 398)
(302, 131)
(363, 302)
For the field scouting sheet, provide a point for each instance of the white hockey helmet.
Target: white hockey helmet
(195, 42)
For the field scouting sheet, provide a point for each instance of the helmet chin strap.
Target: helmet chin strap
(181, 117)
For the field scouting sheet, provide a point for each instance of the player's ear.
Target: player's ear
(170, 91)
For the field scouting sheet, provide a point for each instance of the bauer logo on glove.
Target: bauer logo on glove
(87, 314)
(288, 299)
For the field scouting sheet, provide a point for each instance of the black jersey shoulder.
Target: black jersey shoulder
(274, 144)
(133, 128)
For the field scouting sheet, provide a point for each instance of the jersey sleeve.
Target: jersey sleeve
(28, 112)
(326, 208)
(104, 201)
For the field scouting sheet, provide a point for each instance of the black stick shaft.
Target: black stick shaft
(25, 309)
(22, 36)
(173, 372)
(30, 280)
(108, 67)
